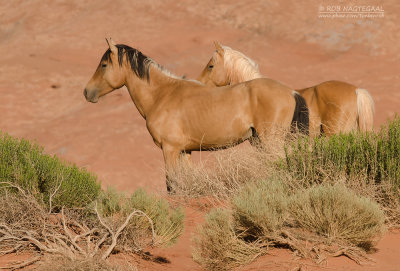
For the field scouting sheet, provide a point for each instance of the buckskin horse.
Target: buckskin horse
(185, 115)
(334, 106)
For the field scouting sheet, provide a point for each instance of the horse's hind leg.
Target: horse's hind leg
(255, 140)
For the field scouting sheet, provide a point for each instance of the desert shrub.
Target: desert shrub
(217, 246)
(56, 208)
(335, 212)
(109, 202)
(168, 224)
(157, 215)
(373, 155)
(260, 208)
(50, 180)
(271, 213)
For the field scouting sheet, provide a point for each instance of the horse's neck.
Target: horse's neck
(144, 93)
(245, 75)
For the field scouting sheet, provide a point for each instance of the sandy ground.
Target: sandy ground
(50, 49)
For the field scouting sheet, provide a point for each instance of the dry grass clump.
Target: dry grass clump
(321, 220)
(217, 245)
(225, 173)
(338, 214)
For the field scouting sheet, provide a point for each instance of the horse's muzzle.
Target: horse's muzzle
(90, 96)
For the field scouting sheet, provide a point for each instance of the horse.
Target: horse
(185, 115)
(334, 106)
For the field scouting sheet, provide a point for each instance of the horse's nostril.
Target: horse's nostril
(85, 93)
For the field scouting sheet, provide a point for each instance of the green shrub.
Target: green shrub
(374, 155)
(216, 245)
(17, 162)
(335, 212)
(24, 164)
(260, 209)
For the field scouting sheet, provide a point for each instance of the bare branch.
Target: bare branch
(52, 194)
(121, 228)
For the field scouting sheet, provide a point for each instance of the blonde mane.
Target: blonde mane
(170, 74)
(239, 67)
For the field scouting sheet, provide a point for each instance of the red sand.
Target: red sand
(50, 49)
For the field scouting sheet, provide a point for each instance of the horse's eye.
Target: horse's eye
(210, 67)
(103, 65)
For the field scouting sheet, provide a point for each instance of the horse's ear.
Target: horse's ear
(220, 49)
(112, 46)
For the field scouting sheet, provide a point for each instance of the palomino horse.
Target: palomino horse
(184, 115)
(334, 106)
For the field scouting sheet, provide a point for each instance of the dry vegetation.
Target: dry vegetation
(84, 235)
(316, 222)
(46, 217)
(66, 264)
(317, 197)
(323, 196)
(228, 170)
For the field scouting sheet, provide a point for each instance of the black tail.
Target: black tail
(300, 121)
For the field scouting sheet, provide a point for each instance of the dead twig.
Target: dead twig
(52, 194)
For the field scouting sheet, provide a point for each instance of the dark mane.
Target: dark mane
(140, 64)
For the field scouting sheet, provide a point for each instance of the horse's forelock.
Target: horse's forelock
(107, 56)
(138, 62)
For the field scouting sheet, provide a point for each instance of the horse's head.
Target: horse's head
(214, 74)
(108, 76)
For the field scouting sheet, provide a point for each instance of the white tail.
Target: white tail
(365, 110)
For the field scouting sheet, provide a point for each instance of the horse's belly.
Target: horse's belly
(222, 135)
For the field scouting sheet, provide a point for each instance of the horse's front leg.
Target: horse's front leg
(171, 157)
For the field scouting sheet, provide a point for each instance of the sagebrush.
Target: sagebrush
(217, 245)
(322, 219)
(51, 181)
